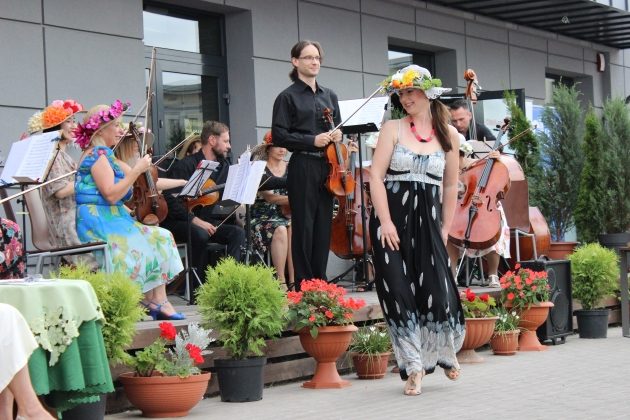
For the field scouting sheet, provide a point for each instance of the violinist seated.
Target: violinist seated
(215, 145)
(270, 217)
(502, 247)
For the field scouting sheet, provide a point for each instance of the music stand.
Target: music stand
(192, 190)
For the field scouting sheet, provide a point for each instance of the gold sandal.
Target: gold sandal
(413, 386)
(452, 373)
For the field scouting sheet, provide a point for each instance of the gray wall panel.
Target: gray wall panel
(25, 10)
(12, 125)
(339, 32)
(346, 84)
(111, 68)
(490, 62)
(565, 64)
(382, 9)
(440, 21)
(271, 78)
(528, 74)
(22, 81)
(486, 31)
(116, 17)
(354, 5)
(528, 41)
(276, 28)
(375, 34)
(565, 49)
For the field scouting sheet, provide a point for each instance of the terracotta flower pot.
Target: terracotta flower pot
(532, 318)
(560, 250)
(478, 332)
(370, 366)
(164, 396)
(330, 343)
(505, 343)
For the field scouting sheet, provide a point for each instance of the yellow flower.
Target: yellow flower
(409, 77)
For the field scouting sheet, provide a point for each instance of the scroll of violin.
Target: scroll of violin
(471, 96)
(477, 221)
(340, 181)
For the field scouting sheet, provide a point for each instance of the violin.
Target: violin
(146, 203)
(208, 195)
(340, 180)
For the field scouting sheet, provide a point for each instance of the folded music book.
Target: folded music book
(30, 159)
(243, 180)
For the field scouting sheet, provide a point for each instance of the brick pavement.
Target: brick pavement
(582, 379)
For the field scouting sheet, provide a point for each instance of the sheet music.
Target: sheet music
(198, 178)
(30, 159)
(243, 180)
(372, 111)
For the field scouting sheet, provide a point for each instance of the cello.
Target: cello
(346, 239)
(340, 180)
(477, 221)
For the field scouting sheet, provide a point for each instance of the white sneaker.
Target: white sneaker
(494, 281)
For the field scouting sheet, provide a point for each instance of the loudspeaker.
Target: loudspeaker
(559, 323)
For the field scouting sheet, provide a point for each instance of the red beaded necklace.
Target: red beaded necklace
(417, 136)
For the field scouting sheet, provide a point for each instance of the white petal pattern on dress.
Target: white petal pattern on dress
(378, 232)
(433, 212)
(430, 301)
(421, 278)
(404, 268)
(405, 197)
(385, 286)
(386, 258)
(413, 288)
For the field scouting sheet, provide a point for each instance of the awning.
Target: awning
(581, 19)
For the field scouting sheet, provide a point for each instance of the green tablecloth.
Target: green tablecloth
(70, 366)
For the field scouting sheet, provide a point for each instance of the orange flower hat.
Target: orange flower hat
(58, 112)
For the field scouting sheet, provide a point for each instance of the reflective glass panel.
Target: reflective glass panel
(171, 32)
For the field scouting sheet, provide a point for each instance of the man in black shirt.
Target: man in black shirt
(215, 141)
(299, 125)
(460, 119)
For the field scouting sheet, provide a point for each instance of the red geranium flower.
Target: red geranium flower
(167, 331)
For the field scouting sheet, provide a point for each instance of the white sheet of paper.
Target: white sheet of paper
(29, 158)
(243, 180)
(198, 178)
(372, 112)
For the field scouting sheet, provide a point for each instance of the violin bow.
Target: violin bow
(149, 101)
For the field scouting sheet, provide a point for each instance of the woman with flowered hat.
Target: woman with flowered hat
(271, 228)
(146, 253)
(414, 189)
(501, 248)
(58, 196)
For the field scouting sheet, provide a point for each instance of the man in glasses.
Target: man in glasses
(299, 124)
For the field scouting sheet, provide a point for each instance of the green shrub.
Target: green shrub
(244, 304)
(119, 297)
(594, 272)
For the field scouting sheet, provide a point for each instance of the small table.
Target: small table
(70, 366)
(624, 253)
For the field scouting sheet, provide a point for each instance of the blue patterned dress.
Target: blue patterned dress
(146, 253)
(415, 286)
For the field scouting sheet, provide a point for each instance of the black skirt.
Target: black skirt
(415, 286)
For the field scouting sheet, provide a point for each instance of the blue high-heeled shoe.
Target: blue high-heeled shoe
(163, 317)
(153, 312)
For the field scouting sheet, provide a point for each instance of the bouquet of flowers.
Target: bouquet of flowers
(371, 341)
(321, 304)
(524, 287)
(508, 321)
(477, 306)
(178, 361)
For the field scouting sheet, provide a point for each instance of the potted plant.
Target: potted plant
(556, 191)
(119, 298)
(322, 316)
(166, 382)
(504, 341)
(595, 273)
(480, 320)
(244, 303)
(527, 292)
(370, 349)
(616, 154)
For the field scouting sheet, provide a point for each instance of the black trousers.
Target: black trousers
(231, 235)
(311, 216)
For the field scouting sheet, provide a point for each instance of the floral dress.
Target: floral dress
(266, 217)
(146, 253)
(11, 250)
(61, 212)
(415, 286)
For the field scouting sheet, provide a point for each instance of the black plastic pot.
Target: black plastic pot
(240, 380)
(592, 323)
(87, 411)
(614, 240)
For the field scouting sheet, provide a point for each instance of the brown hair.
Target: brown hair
(212, 128)
(297, 50)
(441, 118)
